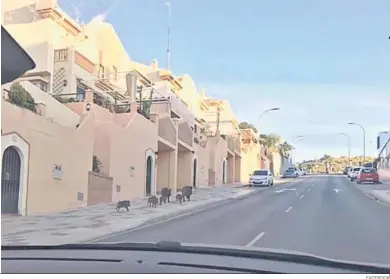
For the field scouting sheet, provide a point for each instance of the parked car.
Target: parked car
(346, 170)
(261, 178)
(290, 173)
(354, 173)
(367, 175)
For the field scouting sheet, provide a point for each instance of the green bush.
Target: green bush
(20, 97)
(96, 164)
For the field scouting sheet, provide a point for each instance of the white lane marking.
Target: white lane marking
(336, 190)
(283, 190)
(308, 189)
(257, 238)
(302, 196)
(288, 209)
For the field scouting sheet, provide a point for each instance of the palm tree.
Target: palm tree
(285, 148)
(270, 141)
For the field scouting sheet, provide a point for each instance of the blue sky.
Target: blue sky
(324, 63)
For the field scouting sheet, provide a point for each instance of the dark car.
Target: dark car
(346, 170)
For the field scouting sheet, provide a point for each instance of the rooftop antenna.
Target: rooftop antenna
(168, 3)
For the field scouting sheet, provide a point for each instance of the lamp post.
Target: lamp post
(364, 139)
(168, 3)
(261, 115)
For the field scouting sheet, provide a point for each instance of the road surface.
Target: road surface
(324, 215)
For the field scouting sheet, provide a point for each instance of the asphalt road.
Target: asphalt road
(310, 216)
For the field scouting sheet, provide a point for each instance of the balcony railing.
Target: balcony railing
(177, 106)
(160, 108)
(185, 133)
(167, 130)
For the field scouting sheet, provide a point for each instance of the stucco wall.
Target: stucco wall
(203, 156)
(52, 144)
(163, 166)
(54, 110)
(128, 150)
(219, 152)
(250, 161)
(184, 169)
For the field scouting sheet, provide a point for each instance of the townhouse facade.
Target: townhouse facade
(106, 128)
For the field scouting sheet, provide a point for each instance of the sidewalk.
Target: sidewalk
(380, 192)
(84, 224)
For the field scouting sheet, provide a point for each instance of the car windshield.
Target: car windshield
(368, 171)
(139, 112)
(260, 172)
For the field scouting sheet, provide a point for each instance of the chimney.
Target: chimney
(131, 84)
(154, 64)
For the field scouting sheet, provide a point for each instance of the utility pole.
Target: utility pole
(168, 3)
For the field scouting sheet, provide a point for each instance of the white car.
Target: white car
(261, 178)
(353, 173)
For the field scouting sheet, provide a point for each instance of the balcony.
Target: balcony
(177, 106)
(167, 130)
(186, 134)
(159, 108)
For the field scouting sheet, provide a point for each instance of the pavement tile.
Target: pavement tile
(86, 223)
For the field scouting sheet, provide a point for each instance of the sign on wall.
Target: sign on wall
(132, 170)
(57, 172)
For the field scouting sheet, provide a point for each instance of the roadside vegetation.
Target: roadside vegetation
(334, 164)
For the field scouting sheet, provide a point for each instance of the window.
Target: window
(80, 96)
(41, 85)
(260, 172)
(60, 55)
(368, 171)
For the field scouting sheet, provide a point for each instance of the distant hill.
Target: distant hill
(333, 164)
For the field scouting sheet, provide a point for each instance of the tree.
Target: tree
(326, 157)
(96, 164)
(19, 96)
(246, 125)
(285, 148)
(271, 141)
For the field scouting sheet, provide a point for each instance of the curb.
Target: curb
(166, 217)
(378, 198)
(241, 186)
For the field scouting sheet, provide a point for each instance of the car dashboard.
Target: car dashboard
(119, 259)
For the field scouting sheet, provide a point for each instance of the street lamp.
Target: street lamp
(364, 139)
(349, 147)
(264, 112)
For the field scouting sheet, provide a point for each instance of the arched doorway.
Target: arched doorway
(149, 172)
(224, 171)
(10, 181)
(195, 172)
